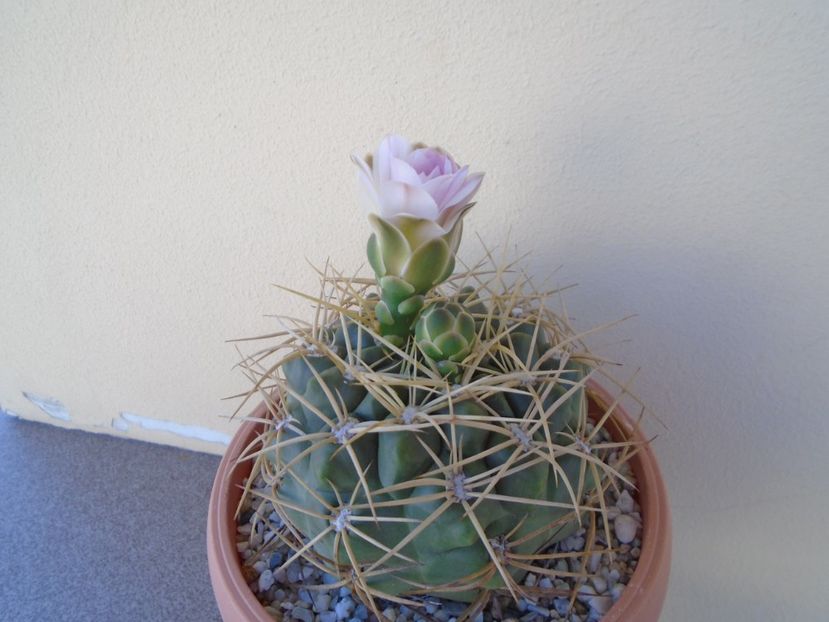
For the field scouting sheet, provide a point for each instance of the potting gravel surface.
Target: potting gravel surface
(97, 529)
(298, 592)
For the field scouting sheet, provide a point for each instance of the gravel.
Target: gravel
(625, 527)
(300, 592)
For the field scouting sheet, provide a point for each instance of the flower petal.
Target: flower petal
(402, 172)
(458, 179)
(440, 188)
(449, 217)
(367, 194)
(392, 146)
(397, 198)
(361, 164)
(469, 188)
(428, 159)
(366, 190)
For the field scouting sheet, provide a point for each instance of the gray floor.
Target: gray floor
(100, 528)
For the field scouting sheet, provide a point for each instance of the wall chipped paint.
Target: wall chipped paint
(163, 163)
(123, 421)
(52, 407)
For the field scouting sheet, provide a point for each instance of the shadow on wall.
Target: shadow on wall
(721, 347)
(712, 339)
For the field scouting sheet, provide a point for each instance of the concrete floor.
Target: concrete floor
(100, 528)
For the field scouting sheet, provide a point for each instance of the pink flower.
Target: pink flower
(402, 179)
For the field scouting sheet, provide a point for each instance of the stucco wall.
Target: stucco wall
(161, 164)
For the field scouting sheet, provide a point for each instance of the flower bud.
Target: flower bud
(445, 333)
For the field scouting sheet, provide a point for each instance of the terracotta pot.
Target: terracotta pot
(640, 602)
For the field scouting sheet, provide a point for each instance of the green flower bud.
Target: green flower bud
(445, 333)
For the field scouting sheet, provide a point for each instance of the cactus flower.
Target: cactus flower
(416, 181)
(416, 197)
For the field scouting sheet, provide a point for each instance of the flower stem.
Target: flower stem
(396, 314)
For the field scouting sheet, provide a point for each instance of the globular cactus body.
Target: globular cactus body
(425, 486)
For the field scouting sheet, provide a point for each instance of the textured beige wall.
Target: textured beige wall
(161, 164)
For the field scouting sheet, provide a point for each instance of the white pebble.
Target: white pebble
(577, 543)
(625, 503)
(585, 591)
(322, 601)
(600, 584)
(561, 605)
(599, 604)
(344, 608)
(594, 561)
(625, 528)
(266, 580)
(294, 573)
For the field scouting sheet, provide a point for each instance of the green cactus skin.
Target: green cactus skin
(325, 462)
(445, 333)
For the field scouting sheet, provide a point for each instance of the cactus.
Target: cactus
(430, 432)
(402, 480)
